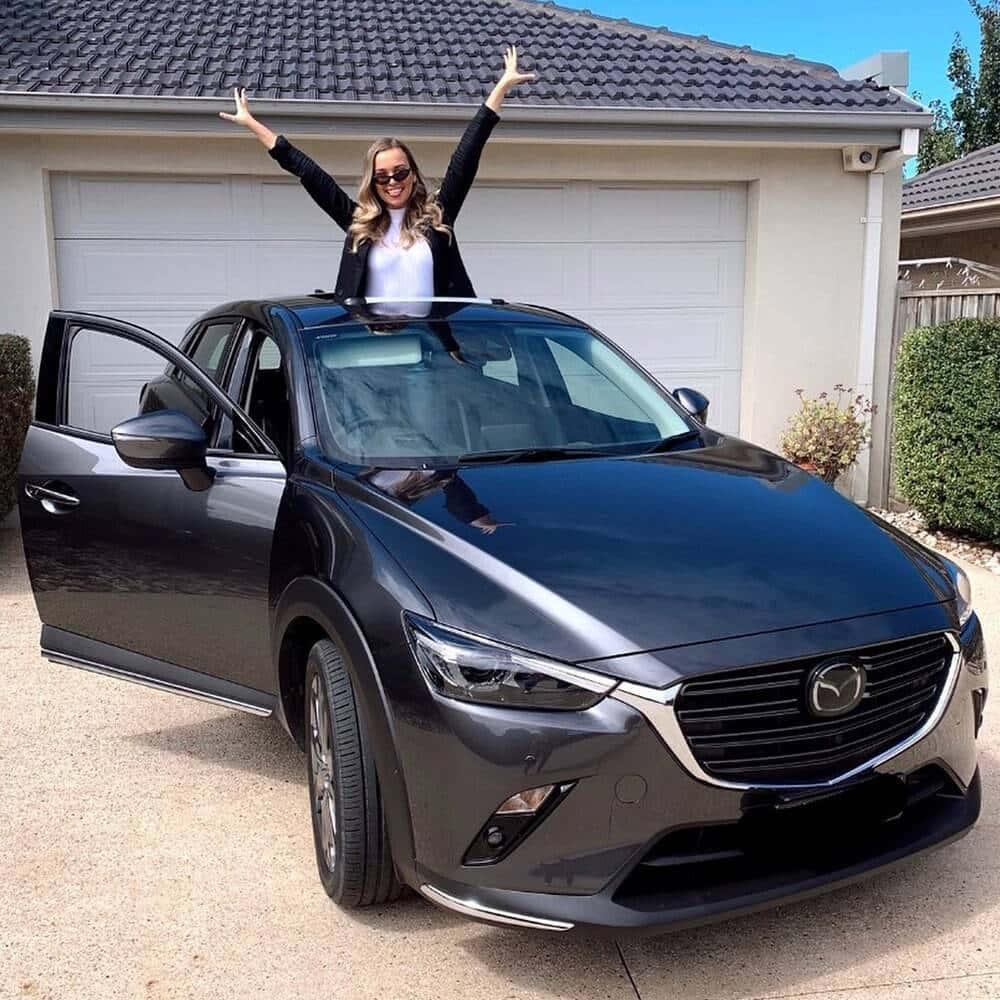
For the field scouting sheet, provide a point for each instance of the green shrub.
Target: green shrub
(947, 425)
(17, 391)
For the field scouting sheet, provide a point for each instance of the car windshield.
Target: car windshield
(433, 392)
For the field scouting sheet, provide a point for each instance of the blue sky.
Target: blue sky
(838, 33)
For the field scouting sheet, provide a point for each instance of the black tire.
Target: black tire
(359, 870)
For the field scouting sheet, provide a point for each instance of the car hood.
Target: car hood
(591, 558)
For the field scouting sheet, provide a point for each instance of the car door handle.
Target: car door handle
(46, 495)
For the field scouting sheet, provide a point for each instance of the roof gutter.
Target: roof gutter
(202, 113)
(951, 208)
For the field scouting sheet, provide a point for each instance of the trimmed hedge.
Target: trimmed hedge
(17, 392)
(947, 425)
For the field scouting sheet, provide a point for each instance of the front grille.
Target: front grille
(752, 724)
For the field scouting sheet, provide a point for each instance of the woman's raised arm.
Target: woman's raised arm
(325, 191)
(465, 160)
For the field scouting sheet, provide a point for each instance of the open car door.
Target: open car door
(149, 555)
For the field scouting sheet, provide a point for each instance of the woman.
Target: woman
(400, 242)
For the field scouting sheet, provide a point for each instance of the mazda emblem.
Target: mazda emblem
(835, 687)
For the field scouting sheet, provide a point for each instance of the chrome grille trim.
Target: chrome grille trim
(657, 706)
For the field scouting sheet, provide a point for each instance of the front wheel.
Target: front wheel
(352, 843)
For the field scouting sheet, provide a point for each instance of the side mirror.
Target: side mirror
(165, 439)
(694, 402)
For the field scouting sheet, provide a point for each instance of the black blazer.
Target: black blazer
(450, 277)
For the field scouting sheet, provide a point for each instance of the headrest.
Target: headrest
(478, 348)
(368, 352)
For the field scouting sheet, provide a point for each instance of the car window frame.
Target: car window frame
(239, 367)
(53, 401)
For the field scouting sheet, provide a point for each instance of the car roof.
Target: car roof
(322, 309)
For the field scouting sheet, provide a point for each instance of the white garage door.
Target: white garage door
(659, 268)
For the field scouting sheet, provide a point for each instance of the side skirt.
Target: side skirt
(74, 650)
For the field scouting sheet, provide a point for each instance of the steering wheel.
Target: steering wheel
(402, 430)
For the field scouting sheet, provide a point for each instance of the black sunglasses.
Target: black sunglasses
(399, 174)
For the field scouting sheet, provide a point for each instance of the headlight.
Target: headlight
(963, 596)
(459, 665)
(963, 592)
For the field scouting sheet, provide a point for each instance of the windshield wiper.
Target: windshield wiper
(528, 455)
(669, 442)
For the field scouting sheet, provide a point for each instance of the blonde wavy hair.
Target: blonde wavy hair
(371, 219)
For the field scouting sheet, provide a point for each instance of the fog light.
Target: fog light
(513, 820)
(529, 801)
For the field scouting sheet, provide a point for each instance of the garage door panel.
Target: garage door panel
(279, 268)
(113, 206)
(721, 387)
(92, 405)
(281, 209)
(96, 273)
(536, 273)
(678, 213)
(673, 274)
(547, 213)
(698, 339)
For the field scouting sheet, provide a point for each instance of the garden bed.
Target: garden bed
(970, 549)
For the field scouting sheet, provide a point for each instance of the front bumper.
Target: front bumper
(597, 862)
(665, 908)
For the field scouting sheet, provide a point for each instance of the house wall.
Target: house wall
(804, 238)
(982, 245)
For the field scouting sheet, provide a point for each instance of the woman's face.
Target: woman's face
(395, 194)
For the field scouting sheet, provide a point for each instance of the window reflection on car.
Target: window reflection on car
(439, 391)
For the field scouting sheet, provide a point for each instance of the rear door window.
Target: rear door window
(210, 351)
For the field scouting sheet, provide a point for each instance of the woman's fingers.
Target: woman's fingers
(242, 111)
(511, 75)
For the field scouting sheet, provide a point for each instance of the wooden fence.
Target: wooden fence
(928, 308)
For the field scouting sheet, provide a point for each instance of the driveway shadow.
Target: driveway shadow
(233, 740)
(13, 571)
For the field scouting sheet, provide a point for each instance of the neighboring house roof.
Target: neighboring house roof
(447, 52)
(973, 177)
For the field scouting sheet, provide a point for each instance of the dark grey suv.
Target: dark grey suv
(558, 654)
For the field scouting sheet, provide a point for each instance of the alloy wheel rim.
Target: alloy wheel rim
(321, 756)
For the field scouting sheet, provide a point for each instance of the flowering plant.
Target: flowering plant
(824, 437)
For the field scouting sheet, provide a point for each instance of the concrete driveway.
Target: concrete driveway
(154, 846)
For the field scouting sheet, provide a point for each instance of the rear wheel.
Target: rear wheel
(352, 843)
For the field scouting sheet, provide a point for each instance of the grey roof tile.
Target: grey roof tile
(445, 51)
(972, 177)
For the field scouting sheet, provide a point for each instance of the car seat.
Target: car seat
(269, 408)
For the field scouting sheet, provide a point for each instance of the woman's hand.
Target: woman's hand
(242, 116)
(510, 77)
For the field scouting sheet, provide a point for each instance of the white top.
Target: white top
(396, 272)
